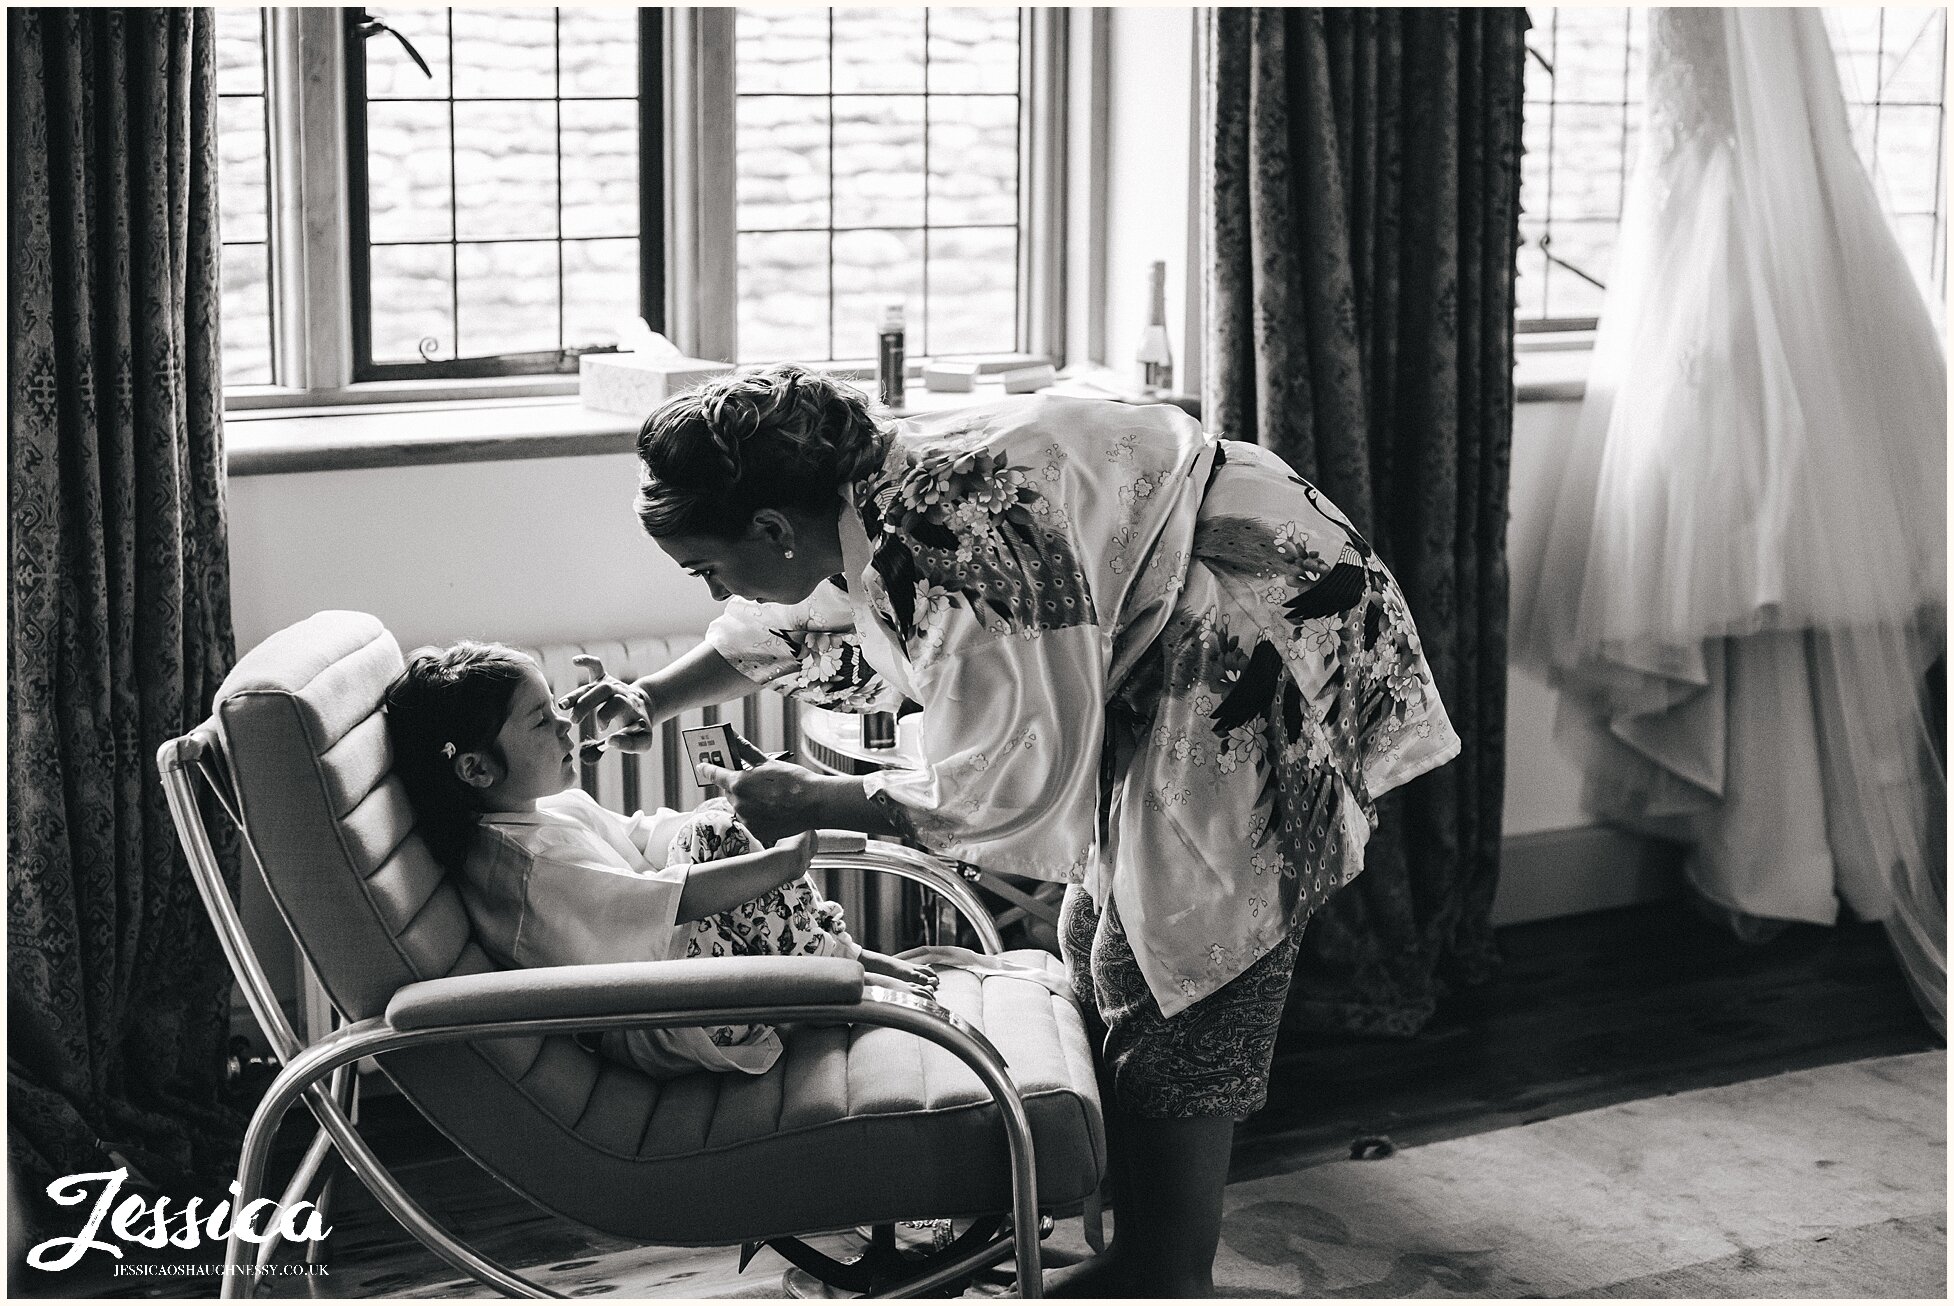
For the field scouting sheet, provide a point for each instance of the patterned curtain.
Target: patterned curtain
(119, 621)
(1364, 183)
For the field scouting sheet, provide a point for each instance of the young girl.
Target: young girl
(551, 878)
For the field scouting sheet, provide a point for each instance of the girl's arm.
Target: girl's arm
(713, 887)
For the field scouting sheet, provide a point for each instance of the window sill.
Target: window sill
(1550, 375)
(266, 442)
(411, 435)
(275, 442)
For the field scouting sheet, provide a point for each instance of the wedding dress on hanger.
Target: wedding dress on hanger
(1739, 581)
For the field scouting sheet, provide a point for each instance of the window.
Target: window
(1893, 63)
(495, 188)
(759, 181)
(878, 160)
(244, 196)
(1584, 87)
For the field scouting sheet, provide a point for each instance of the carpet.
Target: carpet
(1818, 1183)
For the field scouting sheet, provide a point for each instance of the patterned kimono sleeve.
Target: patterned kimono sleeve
(808, 650)
(1012, 730)
(761, 640)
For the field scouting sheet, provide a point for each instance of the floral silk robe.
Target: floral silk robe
(1158, 665)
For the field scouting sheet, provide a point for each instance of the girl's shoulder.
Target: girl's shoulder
(570, 815)
(572, 799)
(577, 806)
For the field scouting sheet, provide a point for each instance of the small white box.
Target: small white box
(635, 384)
(1024, 380)
(950, 376)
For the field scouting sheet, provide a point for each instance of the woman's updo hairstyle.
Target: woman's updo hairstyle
(780, 436)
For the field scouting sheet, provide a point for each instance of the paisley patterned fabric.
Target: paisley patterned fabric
(1365, 177)
(119, 620)
(1211, 1060)
(1159, 667)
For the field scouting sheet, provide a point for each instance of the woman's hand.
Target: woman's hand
(625, 715)
(775, 799)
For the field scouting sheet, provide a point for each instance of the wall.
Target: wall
(532, 551)
(1150, 145)
(1542, 788)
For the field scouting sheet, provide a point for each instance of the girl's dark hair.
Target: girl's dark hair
(779, 436)
(457, 695)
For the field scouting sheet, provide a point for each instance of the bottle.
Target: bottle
(1155, 358)
(888, 359)
(878, 730)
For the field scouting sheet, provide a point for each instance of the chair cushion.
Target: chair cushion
(853, 1125)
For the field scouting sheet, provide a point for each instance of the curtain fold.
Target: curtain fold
(1363, 171)
(119, 609)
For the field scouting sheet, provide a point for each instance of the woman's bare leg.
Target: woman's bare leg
(1170, 1176)
(1170, 1214)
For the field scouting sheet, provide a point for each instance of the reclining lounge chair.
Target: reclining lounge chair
(881, 1109)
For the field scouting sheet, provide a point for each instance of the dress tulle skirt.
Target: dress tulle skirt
(1738, 581)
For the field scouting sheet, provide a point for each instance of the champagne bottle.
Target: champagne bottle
(1156, 359)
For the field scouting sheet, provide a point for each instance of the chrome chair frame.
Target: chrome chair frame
(322, 1075)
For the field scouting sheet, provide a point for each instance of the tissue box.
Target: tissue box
(953, 377)
(1025, 380)
(634, 384)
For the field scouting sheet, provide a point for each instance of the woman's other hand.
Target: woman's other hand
(775, 799)
(626, 716)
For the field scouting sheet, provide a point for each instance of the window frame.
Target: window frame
(651, 219)
(312, 259)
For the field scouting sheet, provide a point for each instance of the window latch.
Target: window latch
(366, 26)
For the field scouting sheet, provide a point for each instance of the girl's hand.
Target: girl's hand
(775, 799)
(625, 715)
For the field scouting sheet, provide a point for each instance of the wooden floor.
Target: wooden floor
(1587, 1011)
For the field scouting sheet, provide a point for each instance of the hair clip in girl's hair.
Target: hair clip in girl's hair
(447, 750)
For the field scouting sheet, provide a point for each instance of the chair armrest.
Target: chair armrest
(625, 988)
(839, 850)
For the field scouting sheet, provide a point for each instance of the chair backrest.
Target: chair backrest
(307, 742)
